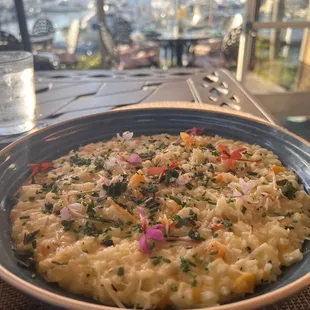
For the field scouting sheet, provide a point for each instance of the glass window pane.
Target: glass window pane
(278, 64)
(283, 10)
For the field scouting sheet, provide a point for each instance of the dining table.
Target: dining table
(63, 95)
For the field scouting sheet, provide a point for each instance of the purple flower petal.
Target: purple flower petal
(196, 131)
(65, 214)
(154, 234)
(134, 159)
(144, 246)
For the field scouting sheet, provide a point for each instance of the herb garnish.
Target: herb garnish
(68, 225)
(78, 161)
(243, 210)
(98, 163)
(116, 189)
(32, 198)
(186, 264)
(174, 288)
(195, 235)
(227, 223)
(252, 173)
(25, 217)
(210, 147)
(31, 238)
(107, 243)
(48, 208)
(289, 190)
(120, 271)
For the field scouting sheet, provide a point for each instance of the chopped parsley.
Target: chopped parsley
(120, 271)
(91, 209)
(116, 189)
(213, 252)
(48, 208)
(195, 235)
(107, 243)
(67, 225)
(155, 260)
(252, 173)
(31, 238)
(282, 182)
(189, 186)
(176, 199)
(98, 163)
(78, 161)
(186, 264)
(32, 198)
(174, 288)
(289, 190)
(210, 147)
(227, 223)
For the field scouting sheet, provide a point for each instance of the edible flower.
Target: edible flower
(181, 180)
(127, 135)
(195, 131)
(246, 187)
(153, 233)
(230, 157)
(35, 169)
(161, 170)
(66, 212)
(189, 140)
(132, 159)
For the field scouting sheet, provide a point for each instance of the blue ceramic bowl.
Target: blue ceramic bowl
(55, 141)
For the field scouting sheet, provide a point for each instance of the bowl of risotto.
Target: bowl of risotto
(154, 209)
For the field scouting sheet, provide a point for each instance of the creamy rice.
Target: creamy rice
(230, 216)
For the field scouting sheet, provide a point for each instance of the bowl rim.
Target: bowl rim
(71, 303)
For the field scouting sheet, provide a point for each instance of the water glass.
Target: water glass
(17, 100)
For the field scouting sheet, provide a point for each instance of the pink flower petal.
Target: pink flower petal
(127, 135)
(102, 193)
(144, 220)
(76, 207)
(251, 184)
(243, 185)
(144, 246)
(181, 180)
(154, 234)
(65, 214)
(249, 199)
(134, 159)
(237, 193)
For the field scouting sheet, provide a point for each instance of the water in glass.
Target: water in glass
(17, 100)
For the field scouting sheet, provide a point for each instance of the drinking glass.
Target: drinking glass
(17, 94)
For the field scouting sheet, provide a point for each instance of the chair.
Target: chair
(43, 27)
(230, 44)
(8, 42)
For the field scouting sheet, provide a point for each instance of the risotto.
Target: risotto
(153, 221)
